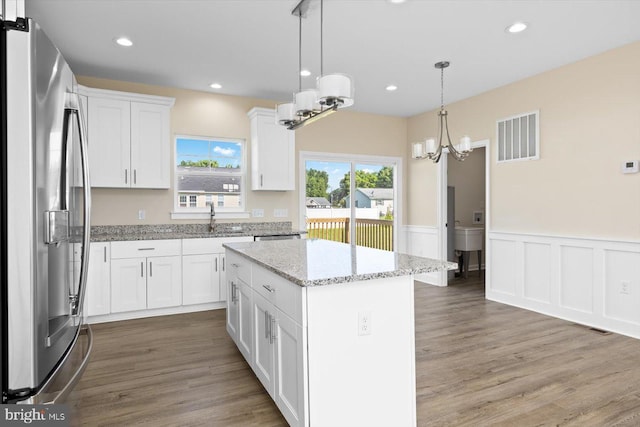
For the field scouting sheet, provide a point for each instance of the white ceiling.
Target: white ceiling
(251, 46)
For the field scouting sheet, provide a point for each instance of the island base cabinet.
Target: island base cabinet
(290, 369)
(239, 317)
(278, 359)
(362, 378)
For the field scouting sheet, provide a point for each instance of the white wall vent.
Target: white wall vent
(518, 137)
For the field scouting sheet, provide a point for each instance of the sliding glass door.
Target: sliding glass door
(350, 199)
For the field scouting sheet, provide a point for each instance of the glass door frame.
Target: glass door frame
(353, 160)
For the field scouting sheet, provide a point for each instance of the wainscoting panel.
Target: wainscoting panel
(622, 290)
(576, 278)
(595, 282)
(537, 272)
(503, 267)
(422, 241)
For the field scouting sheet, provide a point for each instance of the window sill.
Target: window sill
(206, 215)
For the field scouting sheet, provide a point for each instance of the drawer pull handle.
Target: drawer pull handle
(146, 249)
(269, 288)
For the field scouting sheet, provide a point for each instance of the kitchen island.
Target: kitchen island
(328, 328)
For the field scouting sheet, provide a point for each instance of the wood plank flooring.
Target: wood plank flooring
(478, 363)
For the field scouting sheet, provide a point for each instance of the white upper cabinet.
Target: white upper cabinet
(128, 138)
(272, 152)
(150, 145)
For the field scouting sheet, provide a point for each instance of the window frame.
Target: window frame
(188, 212)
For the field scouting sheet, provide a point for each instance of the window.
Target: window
(209, 170)
(518, 138)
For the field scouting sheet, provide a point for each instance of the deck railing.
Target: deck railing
(372, 233)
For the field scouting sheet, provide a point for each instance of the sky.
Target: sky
(199, 149)
(336, 170)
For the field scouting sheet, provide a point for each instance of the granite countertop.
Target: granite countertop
(112, 233)
(314, 262)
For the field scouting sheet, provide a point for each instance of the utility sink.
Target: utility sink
(469, 238)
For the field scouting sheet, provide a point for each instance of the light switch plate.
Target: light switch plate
(257, 213)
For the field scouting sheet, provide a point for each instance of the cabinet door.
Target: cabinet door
(232, 309)
(263, 348)
(150, 146)
(245, 325)
(98, 297)
(222, 262)
(164, 282)
(128, 284)
(289, 367)
(272, 153)
(109, 142)
(200, 279)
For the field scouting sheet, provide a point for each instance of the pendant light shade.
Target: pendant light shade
(335, 89)
(285, 113)
(306, 102)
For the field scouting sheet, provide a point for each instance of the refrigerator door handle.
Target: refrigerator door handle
(78, 301)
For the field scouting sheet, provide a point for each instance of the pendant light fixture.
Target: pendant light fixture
(428, 149)
(333, 91)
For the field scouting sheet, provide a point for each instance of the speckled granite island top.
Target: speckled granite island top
(314, 262)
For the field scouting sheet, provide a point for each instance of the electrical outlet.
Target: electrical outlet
(257, 213)
(625, 287)
(364, 323)
(281, 213)
(141, 214)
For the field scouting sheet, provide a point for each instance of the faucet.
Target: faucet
(212, 223)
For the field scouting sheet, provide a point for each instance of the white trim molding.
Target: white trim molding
(594, 282)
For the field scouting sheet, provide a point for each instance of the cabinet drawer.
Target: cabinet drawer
(238, 266)
(145, 248)
(280, 292)
(210, 245)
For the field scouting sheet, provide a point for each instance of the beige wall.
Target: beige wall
(589, 124)
(208, 114)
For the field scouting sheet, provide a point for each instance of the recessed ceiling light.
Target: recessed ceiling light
(123, 41)
(305, 73)
(391, 88)
(215, 86)
(516, 27)
(396, 1)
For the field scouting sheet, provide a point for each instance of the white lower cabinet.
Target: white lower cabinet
(204, 269)
(200, 278)
(145, 282)
(164, 282)
(263, 320)
(128, 285)
(98, 294)
(278, 358)
(239, 316)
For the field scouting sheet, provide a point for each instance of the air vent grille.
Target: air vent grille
(518, 138)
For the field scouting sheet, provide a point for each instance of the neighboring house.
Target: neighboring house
(318, 202)
(198, 189)
(382, 198)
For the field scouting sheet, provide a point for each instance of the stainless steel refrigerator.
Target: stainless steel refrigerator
(44, 220)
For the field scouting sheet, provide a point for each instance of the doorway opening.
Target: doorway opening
(464, 215)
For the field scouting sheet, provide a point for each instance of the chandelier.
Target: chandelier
(428, 149)
(333, 91)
